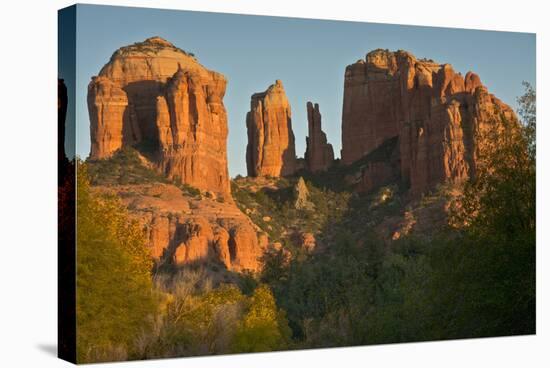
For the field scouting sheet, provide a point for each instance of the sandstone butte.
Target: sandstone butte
(158, 98)
(319, 154)
(437, 118)
(270, 150)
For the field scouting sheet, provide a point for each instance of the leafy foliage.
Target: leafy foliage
(501, 196)
(264, 327)
(528, 113)
(114, 288)
(199, 319)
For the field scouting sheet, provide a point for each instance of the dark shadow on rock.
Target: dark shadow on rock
(140, 127)
(288, 156)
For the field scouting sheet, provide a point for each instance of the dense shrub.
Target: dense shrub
(199, 319)
(114, 288)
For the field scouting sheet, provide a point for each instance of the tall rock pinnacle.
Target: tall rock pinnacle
(319, 154)
(270, 150)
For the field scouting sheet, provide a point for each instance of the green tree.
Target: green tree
(264, 327)
(488, 273)
(528, 112)
(501, 198)
(114, 289)
(204, 323)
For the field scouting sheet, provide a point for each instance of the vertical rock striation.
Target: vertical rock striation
(438, 116)
(319, 154)
(270, 150)
(192, 131)
(156, 97)
(109, 119)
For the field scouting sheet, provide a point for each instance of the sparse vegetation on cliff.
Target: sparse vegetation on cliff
(276, 200)
(150, 46)
(124, 168)
(127, 167)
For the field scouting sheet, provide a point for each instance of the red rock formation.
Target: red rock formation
(381, 166)
(436, 114)
(160, 228)
(192, 131)
(319, 154)
(184, 230)
(195, 246)
(308, 242)
(375, 174)
(158, 98)
(244, 248)
(270, 150)
(109, 119)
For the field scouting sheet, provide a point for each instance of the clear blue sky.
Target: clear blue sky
(309, 56)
